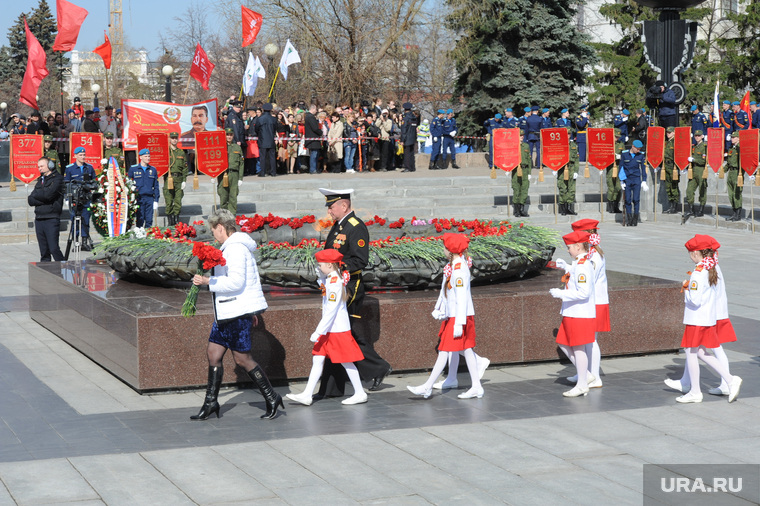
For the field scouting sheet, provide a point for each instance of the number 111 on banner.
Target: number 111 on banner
(211, 149)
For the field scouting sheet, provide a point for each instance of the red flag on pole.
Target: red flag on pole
(744, 106)
(251, 25)
(201, 68)
(70, 19)
(36, 69)
(104, 51)
(506, 148)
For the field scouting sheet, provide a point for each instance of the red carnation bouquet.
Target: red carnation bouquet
(208, 258)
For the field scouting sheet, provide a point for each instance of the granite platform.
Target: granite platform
(135, 331)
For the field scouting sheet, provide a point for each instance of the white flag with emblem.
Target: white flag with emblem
(250, 78)
(289, 57)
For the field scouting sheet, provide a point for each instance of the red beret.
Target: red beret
(586, 224)
(576, 237)
(456, 243)
(700, 242)
(329, 256)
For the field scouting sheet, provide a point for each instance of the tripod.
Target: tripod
(75, 236)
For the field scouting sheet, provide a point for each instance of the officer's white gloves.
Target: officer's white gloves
(622, 185)
(575, 176)
(435, 139)
(617, 157)
(644, 186)
(728, 137)
(691, 159)
(453, 133)
(182, 186)
(155, 205)
(240, 181)
(626, 139)
(458, 329)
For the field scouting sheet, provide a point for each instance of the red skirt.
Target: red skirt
(576, 331)
(725, 331)
(602, 317)
(463, 342)
(695, 336)
(339, 347)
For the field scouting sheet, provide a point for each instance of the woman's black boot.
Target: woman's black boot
(210, 405)
(265, 387)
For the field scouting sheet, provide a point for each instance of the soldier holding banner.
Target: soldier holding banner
(229, 183)
(566, 188)
(698, 160)
(51, 154)
(178, 174)
(733, 166)
(521, 183)
(614, 190)
(112, 151)
(670, 184)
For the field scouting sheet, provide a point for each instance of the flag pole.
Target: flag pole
(271, 90)
(108, 98)
(187, 88)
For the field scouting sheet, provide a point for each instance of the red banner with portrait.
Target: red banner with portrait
(655, 145)
(26, 150)
(749, 147)
(682, 147)
(158, 144)
(716, 142)
(211, 149)
(555, 148)
(601, 147)
(506, 148)
(148, 116)
(93, 148)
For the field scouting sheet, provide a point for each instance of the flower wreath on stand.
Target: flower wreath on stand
(99, 210)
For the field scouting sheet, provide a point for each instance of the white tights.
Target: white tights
(453, 359)
(318, 363)
(593, 354)
(692, 366)
(720, 354)
(577, 355)
(454, 363)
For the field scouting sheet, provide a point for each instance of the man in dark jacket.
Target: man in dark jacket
(89, 125)
(667, 106)
(409, 137)
(235, 122)
(312, 130)
(266, 127)
(47, 200)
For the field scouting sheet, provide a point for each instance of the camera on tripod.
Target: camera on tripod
(654, 95)
(81, 194)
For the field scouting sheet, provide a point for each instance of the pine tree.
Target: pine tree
(623, 76)
(515, 53)
(743, 52)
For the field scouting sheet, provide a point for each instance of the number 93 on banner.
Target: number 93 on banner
(211, 152)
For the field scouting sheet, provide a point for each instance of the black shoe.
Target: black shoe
(379, 380)
(635, 222)
(407, 170)
(522, 211)
(516, 210)
(210, 404)
(609, 207)
(699, 211)
(563, 209)
(616, 209)
(686, 211)
(569, 209)
(273, 399)
(673, 209)
(454, 165)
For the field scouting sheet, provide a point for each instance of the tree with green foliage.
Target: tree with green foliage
(743, 52)
(622, 77)
(515, 53)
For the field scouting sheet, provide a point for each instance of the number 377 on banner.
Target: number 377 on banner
(211, 149)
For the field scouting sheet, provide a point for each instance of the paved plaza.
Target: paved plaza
(70, 433)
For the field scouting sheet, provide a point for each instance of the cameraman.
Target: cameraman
(47, 200)
(666, 101)
(78, 173)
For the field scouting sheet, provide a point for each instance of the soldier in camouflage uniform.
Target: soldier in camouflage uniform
(178, 173)
(698, 161)
(51, 153)
(112, 151)
(235, 162)
(732, 175)
(671, 185)
(566, 189)
(613, 184)
(521, 184)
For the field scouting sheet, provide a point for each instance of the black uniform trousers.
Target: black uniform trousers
(47, 231)
(386, 155)
(268, 162)
(334, 376)
(409, 162)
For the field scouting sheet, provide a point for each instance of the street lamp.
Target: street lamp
(4, 108)
(95, 88)
(167, 71)
(271, 50)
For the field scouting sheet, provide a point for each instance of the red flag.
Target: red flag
(36, 69)
(70, 19)
(555, 148)
(104, 51)
(682, 147)
(655, 145)
(506, 148)
(749, 154)
(716, 141)
(744, 106)
(601, 147)
(201, 68)
(251, 25)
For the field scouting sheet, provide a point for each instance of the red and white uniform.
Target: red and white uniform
(455, 300)
(700, 303)
(723, 327)
(578, 305)
(600, 291)
(335, 341)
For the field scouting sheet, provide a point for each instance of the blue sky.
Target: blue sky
(142, 22)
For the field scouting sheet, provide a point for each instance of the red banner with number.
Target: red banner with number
(506, 148)
(682, 147)
(25, 151)
(211, 149)
(655, 145)
(158, 144)
(749, 147)
(601, 147)
(93, 148)
(716, 141)
(555, 148)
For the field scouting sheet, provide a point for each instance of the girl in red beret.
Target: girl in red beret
(578, 325)
(705, 301)
(333, 335)
(455, 309)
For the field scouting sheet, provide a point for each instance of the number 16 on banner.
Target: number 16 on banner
(211, 152)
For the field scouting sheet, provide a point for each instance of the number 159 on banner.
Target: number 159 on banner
(211, 149)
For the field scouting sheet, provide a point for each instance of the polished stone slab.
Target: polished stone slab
(136, 332)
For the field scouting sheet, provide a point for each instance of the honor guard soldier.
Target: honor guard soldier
(491, 125)
(546, 121)
(178, 174)
(741, 120)
(51, 153)
(509, 118)
(80, 171)
(633, 175)
(228, 183)
(621, 123)
(698, 161)
(698, 122)
(566, 189)
(436, 130)
(521, 184)
(727, 122)
(112, 151)
(668, 162)
(449, 132)
(522, 123)
(613, 183)
(534, 133)
(732, 176)
(755, 114)
(409, 136)
(350, 236)
(582, 123)
(564, 120)
(145, 177)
